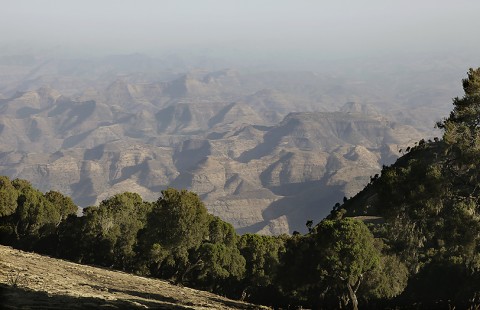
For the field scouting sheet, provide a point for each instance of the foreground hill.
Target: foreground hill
(426, 208)
(29, 280)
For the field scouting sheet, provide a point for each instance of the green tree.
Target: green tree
(412, 199)
(430, 197)
(461, 175)
(349, 252)
(35, 217)
(463, 123)
(111, 229)
(73, 243)
(8, 197)
(220, 231)
(387, 281)
(298, 274)
(28, 218)
(430, 203)
(328, 265)
(64, 204)
(462, 138)
(216, 259)
(8, 206)
(263, 257)
(217, 262)
(177, 225)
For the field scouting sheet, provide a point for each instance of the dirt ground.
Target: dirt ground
(32, 281)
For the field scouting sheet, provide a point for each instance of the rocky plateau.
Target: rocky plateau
(265, 151)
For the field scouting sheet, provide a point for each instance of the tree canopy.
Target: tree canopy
(423, 250)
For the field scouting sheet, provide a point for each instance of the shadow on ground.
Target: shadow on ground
(19, 298)
(231, 303)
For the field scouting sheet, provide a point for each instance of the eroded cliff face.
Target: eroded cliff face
(255, 165)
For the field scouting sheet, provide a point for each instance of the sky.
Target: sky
(260, 29)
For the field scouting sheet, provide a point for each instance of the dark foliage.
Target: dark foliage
(419, 248)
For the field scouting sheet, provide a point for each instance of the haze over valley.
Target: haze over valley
(283, 154)
(272, 112)
(265, 150)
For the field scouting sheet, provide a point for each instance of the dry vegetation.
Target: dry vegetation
(32, 281)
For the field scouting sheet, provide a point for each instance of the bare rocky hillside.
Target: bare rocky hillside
(32, 281)
(258, 176)
(266, 151)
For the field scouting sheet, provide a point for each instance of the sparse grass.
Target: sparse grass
(15, 279)
(32, 281)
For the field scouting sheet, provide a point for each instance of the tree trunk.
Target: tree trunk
(353, 296)
(352, 291)
(15, 230)
(187, 270)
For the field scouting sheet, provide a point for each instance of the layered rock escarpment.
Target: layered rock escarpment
(254, 164)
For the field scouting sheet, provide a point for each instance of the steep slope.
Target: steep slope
(30, 280)
(258, 175)
(299, 169)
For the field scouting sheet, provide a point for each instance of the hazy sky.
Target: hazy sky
(303, 28)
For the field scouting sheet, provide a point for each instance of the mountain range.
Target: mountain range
(266, 151)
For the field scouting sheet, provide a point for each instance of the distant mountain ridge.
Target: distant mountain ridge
(258, 174)
(266, 150)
